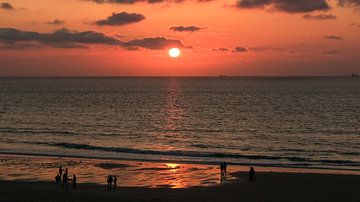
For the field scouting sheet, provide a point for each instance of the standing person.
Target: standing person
(109, 181)
(65, 181)
(60, 171)
(221, 171)
(74, 181)
(58, 179)
(252, 174)
(225, 167)
(66, 171)
(115, 180)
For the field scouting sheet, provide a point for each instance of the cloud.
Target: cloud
(320, 17)
(155, 43)
(11, 38)
(185, 28)
(221, 49)
(136, 1)
(290, 6)
(123, 18)
(240, 49)
(62, 38)
(349, 3)
(6, 6)
(332, 52)
(333, 37)
(56, 22)
(20, 46)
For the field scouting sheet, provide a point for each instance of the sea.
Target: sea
(291, 122)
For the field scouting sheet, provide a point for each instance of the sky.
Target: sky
(216, 37)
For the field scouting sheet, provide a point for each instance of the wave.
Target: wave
(33, 131)
(181, 153)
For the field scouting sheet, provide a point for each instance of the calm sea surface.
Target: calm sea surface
(288, 122)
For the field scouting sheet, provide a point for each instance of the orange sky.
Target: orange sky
(278, 42)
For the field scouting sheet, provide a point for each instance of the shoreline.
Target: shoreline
(264, 167)
(134, 173)
(146, 181)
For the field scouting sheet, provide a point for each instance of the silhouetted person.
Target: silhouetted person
(66, 171)
(60, 171)
(58, 179)
(225, 168)
(109, 181)
(65, 181)
(74, 181)
(252, 174)
(115, 180)
(221, 171)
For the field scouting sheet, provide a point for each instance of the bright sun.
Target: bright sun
(174, 52)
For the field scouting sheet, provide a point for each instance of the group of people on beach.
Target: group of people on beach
(64, 179)
(110, 180)
(223, 168)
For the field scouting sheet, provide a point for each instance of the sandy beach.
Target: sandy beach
(147, 181)
(268, 187)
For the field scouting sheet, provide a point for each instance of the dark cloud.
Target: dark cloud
(6, 6)
(155, 43)
(185, 28)
(320, 17)
(332, 52)
(290, 6)
(56, 22)
(62, 38)
(333, 37)
(240, 49)
(16, 39)
(122, 18)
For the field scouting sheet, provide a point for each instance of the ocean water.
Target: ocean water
(286, 122)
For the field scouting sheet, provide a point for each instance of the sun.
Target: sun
(174, 52)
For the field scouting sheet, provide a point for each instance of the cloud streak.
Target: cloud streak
(240, 50)
(137, 1)
(185, 28)
(290, 6)
(320, 17)
(333, 37)
(56, 22)
(119, 19)
(11, 38)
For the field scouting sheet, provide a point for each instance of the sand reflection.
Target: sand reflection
(129, 173)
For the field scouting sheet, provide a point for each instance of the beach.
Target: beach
(268, 187)
(178, 183)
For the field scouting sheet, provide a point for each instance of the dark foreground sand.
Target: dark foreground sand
(268, 187)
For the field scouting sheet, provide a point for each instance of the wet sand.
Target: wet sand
(24, 178)
(268, 187)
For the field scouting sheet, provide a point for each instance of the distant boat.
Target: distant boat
(354, 75)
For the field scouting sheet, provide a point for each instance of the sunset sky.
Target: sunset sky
(216, 37)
